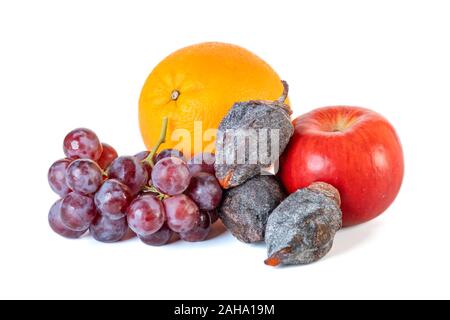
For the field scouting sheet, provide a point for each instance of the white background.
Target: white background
(65, 64)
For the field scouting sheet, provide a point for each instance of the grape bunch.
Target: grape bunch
(159, 196)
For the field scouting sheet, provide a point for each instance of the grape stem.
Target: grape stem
(162, 139)
(152, 189)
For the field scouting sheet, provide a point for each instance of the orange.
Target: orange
(195, 87)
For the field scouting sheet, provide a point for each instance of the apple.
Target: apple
(354, 149)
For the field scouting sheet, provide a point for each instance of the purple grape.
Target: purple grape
(146, 215)
(82, 143)
(181, 212)
(77, 211)
(84, 176)
(54, 220)
(171, 176)
(109, 154)
(205, 191)
(113, 199)
(130, 172)
(159, 238)
(141, 156)
(167, 153)
(57, 177)
(202, 162)
(200, 231)
(106, 230)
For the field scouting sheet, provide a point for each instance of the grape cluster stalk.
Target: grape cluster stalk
(159, 196)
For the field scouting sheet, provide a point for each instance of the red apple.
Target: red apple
(354, 149)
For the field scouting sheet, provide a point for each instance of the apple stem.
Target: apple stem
(284, 95)
(162, 139)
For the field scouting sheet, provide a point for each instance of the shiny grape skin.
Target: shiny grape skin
(141, 156)
(130, 172)
(146, 215)
(182, 213)
(54, 220)
(159, 238)
(77, 211)
(57, 177)
(109, 154)
(106, 230)
(200, 231)
(82, 143)
(171, 176)
(167, 153)
(202, 162)
(113, 199)
(205, 190)
(84, 176)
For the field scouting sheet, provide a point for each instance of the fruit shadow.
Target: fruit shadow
(217, 230)
(129, 235)
(349, 238)
(346, 240)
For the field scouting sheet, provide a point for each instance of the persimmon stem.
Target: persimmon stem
(284, 95)
(162, 139)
